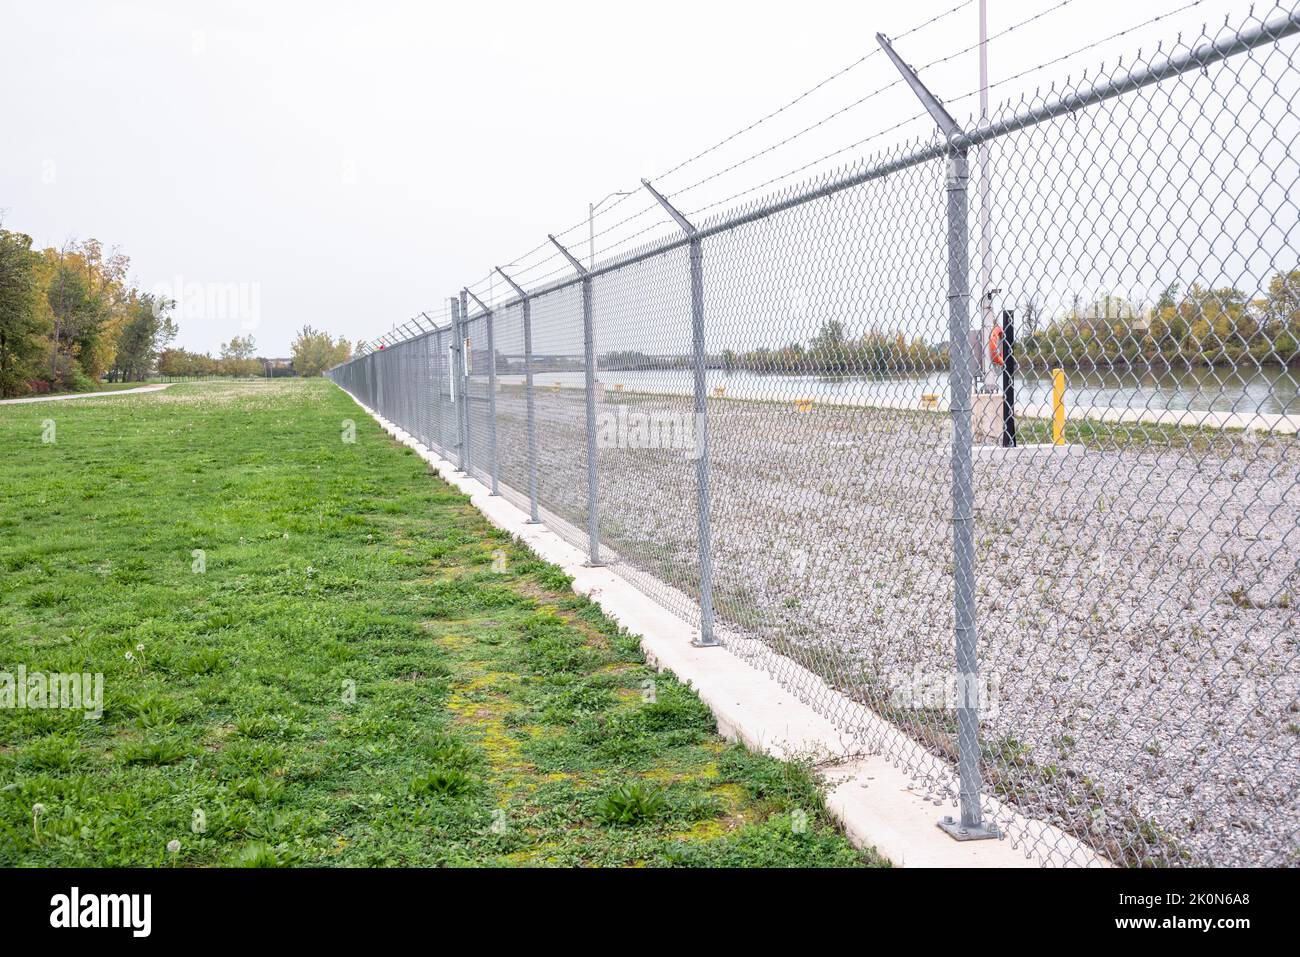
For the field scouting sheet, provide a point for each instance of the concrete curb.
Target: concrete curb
(875, 802)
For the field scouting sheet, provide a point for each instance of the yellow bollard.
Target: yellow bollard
(1058, 406)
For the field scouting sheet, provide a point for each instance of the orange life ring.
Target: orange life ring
(995, 346)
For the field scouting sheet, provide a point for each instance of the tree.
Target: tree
(238, 347)
(237, 357)
(314, 351)
(1282, 316)
(181, 362)
(20, 325)
(77, 318)
(147, 330)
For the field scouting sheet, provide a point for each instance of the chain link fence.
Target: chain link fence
(985, 448)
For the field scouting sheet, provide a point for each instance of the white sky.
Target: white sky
(350, 165)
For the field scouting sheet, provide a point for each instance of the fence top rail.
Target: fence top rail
(1278, 26)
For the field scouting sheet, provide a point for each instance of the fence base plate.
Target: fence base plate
(961, 832)
(710, 642)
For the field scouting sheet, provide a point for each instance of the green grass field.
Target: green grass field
(316, 653)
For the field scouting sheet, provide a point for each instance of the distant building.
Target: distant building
(276, 368)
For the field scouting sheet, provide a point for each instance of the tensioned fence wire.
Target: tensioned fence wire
(1136, 570)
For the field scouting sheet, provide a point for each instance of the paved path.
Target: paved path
(86, 395)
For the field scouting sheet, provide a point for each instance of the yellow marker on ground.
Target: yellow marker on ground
(618, 387)
(1058, 406)
(719, 391)
(803, 405)
(930, 401)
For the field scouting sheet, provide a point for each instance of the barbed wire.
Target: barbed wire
(620, 200)
(1083, 49)
(861, 100)
(807, 166)
(527, 272)
(806, 93)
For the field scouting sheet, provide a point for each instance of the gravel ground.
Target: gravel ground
(1136, 604)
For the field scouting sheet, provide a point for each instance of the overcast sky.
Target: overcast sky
(347, 165)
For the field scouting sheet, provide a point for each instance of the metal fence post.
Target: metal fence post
(589, 352)
(492, 394)
(439, 357)
(526, 307)
(963, 498)
(439, 432)
(453, 381)
(706, 637)
(465, 359)
(971, 826)
(492, 403)
(426, 376)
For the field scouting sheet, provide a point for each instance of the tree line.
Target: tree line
(833, 352)
(311, 353)
(70, 316)
(1201, 326)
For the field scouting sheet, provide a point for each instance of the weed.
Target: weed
(630, 805)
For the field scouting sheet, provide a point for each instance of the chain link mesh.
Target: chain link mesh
(1134, 279)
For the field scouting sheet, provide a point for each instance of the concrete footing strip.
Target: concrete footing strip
(872, 799)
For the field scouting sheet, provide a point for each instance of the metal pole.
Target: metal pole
(963, 499)
(463, 375)
(526, 306)
(453, 379)
(492, 394)
(444, 371)
(425, 405)
(589, 353)
(591, 225)
(1009, 378)
(532, 413)
(961, 375)
(435, 427)
(706, 637)
(989, 375)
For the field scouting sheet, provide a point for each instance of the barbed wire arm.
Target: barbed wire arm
(681, 220)
(481, 305)
(582, 270)
(941, 116)
(513, 285)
